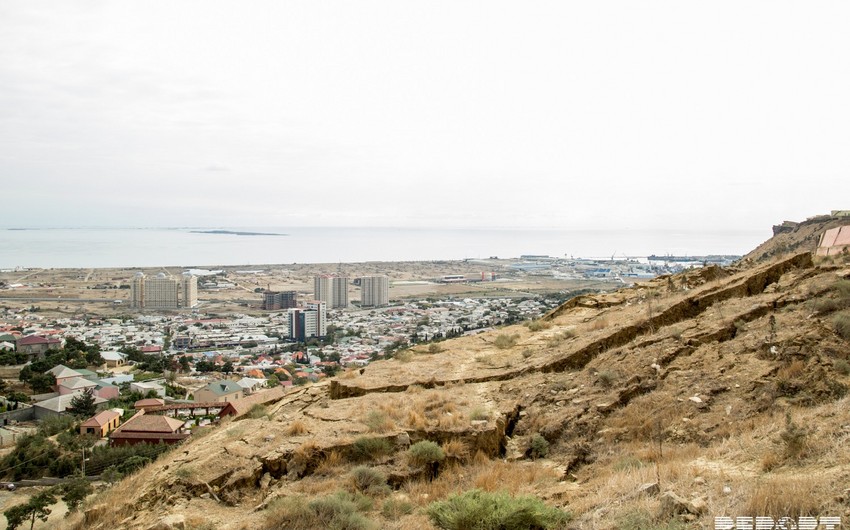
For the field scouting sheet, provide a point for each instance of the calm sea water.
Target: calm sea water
(147, 247)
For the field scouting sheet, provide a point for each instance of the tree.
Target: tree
(227, 367)
(83, 405)
(36, 507)
(75, 491)
(41, 383)
(184, 363)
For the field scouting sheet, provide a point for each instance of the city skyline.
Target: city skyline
(444, 115)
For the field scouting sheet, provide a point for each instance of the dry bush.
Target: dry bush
(494, 475)
(645, 417)
(404, 356)
(456, 449)
(504, 341)
(330, 463)
(794, 370)
(538, 325)
(305, 452)
(351, 373)
(378, 421)
(559, 338)
(479, 413)
(787, 496)
(416, 420)
(296, 428)
(841, 323)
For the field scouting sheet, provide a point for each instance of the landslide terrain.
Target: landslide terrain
(724, 386)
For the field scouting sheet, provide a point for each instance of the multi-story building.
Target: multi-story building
(321, 309)
(160, 292)
(340, 293)
(308, 322)
(189, 288)
(273, 300)
(332, 290)
(137, 290)
(374, 291)
(323, 288)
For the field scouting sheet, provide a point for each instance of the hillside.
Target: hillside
(724, 386)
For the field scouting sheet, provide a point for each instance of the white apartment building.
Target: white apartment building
(374, 291)
(160, 292)
(321, 321)
(340, 293)
(332, 290)
(189, 288)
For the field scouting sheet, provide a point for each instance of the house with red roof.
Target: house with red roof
(38, 345)
(149, 428)
(101, 423)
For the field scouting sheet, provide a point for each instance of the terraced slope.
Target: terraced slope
(683, 382)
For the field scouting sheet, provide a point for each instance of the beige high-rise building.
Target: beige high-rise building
(137, 290)
(189, 288)
(332, 290)
(323, 289)
(340, 293)
(374, 291)
(160, 292)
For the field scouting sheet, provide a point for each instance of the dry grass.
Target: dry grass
(305, 452)
(787, 496)
(456, 450)
(332, 461)
(296, 428)
(504, 341)
(378, 421)
(538, 325)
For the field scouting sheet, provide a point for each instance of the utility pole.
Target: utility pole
(84, 461)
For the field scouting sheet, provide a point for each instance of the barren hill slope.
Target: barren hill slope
(724, 386)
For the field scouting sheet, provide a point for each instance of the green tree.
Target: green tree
(36, 507)
(41, 383)
(75, 491)
(82, 405)
(227, 367)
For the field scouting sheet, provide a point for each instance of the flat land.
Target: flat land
(106, 291)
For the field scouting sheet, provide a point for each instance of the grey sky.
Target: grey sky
(393, 113)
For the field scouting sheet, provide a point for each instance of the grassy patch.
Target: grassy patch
(340, 510)
(494, 511)
(378, 421)
(505, 341)
(395, 508)
(538, 447)
(369, 481)
(368, 448)
(841, 323)
(425, 452)
(538, 325)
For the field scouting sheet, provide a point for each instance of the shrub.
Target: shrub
(434, 348)
(340, 511)
(378, 421)
(606, 378)
(369, 481)
(479, 413)
(494, 511)
(368, 448)
(538, 325)
(794, 437)
(403, 356)
(503, 341)
(395, 508)
(841, 323)
(425, 452)
(257, 411)
(538, 447)
(842, 367)
(296, 428)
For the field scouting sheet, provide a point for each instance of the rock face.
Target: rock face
(618, 385)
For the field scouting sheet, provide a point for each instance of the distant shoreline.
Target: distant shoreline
(235, 233)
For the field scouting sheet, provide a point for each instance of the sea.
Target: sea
(209, 247)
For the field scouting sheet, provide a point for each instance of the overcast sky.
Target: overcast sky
(568, 115)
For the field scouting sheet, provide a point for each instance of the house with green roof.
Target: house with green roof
(220, 391)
